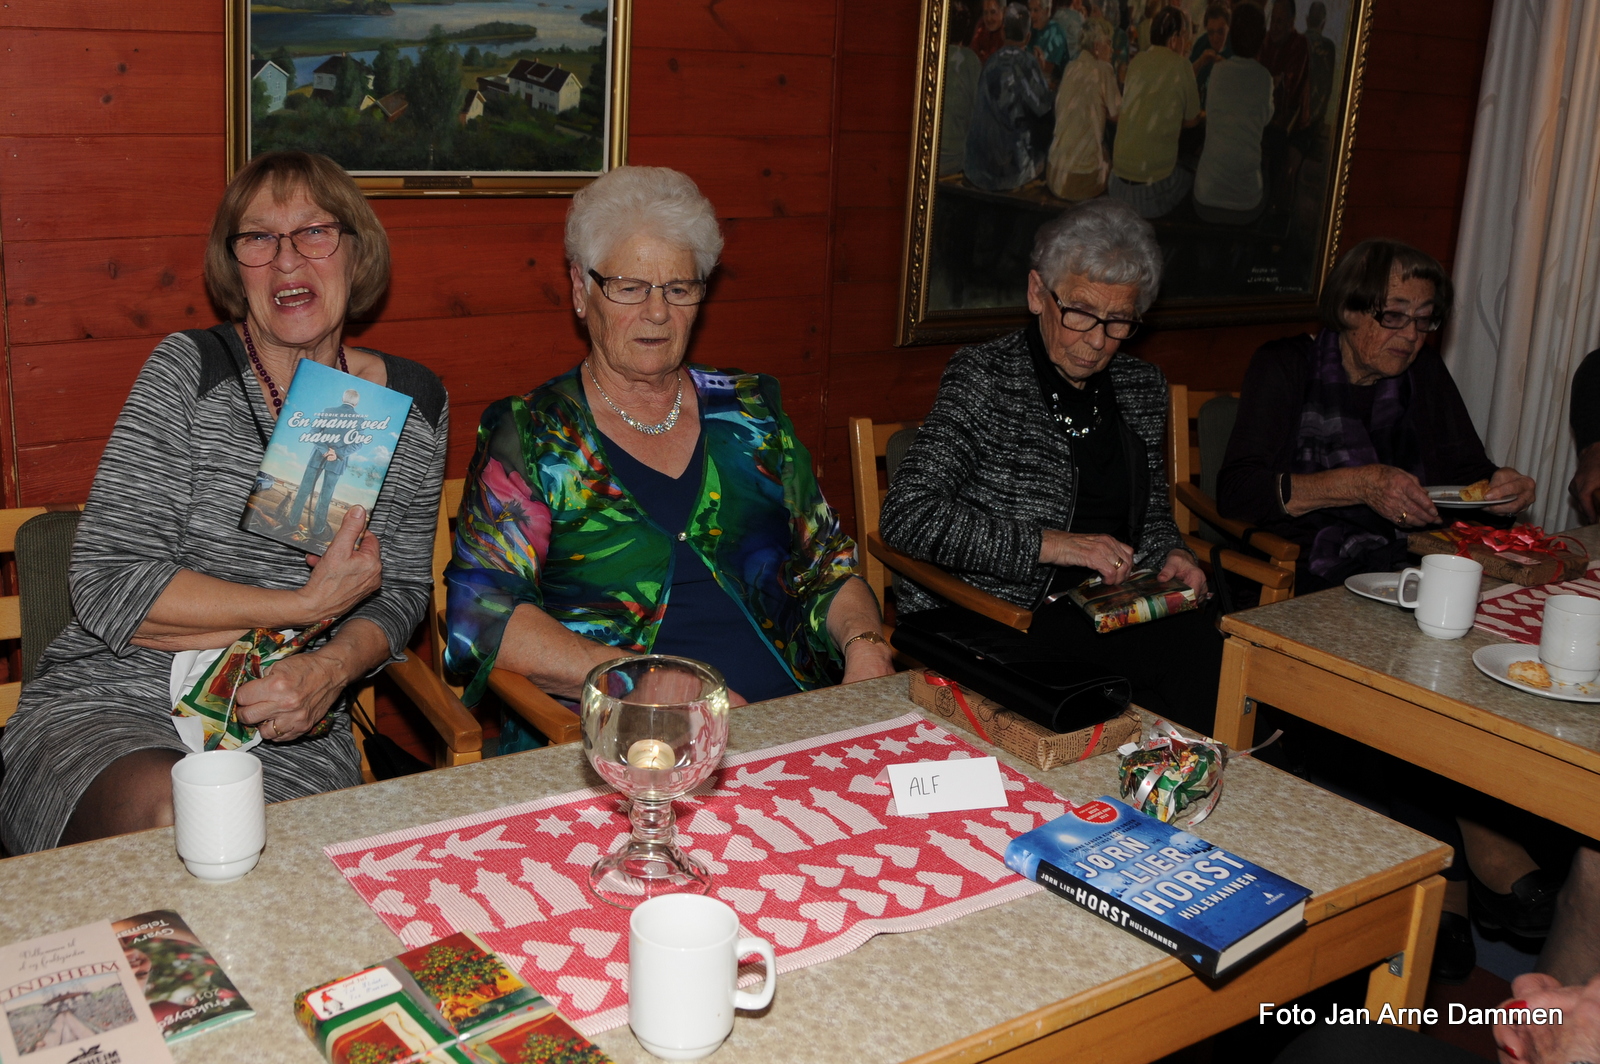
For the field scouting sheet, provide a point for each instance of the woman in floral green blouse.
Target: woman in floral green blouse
(636, 504)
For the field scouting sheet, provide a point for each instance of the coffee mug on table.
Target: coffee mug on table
(219, 813)
(1447, 594)
(683, 963)
(1569, 641)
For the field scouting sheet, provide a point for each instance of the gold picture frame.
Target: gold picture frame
(935, 306)
(607, 134)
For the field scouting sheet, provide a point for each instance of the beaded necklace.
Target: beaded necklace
(266, 378)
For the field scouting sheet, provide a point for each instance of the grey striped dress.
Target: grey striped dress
(169, 493)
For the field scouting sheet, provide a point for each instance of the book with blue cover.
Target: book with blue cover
(330, 451)
(1209, 908)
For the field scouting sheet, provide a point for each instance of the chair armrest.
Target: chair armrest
(1264, 573)
(1204, 508)
(461, 732)
(554, 721)
(943, 584)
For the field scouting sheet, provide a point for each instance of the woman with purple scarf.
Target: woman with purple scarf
(1339, 432)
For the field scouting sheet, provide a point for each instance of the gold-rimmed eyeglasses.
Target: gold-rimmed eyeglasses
(1083, 321)
(311, 241)
(631, 290)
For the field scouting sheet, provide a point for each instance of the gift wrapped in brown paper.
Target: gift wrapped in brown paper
(1037, 745)
(1522, 555)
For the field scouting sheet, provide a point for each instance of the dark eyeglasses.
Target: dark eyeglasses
(311, 241)
(1396, 320)
(631, 290)
(1082, 321)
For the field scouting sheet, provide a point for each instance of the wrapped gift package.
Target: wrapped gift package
(1522, 555)
(992, 722)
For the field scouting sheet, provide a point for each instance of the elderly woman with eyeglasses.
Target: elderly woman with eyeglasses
(1042, 464)
(1341, 434)
(639, 504)
(163, 577)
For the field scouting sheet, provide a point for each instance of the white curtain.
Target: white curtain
(1527, 270)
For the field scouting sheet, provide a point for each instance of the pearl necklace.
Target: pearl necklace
(266, 378)
(659, 427)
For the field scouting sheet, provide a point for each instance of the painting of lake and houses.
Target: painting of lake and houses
(400, 87)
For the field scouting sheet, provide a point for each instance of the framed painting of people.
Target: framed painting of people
(1228, 124)
(418, 97)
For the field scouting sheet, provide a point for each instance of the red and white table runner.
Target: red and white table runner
(802, 839)
(1516, 612)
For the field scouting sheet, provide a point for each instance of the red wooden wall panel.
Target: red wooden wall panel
(797, 128)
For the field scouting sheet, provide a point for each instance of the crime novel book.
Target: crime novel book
(185, 987)
(1209, 908)
(330, 451)
(452, 1002)
(73, 997)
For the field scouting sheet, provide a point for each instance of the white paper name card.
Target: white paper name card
(947, 786)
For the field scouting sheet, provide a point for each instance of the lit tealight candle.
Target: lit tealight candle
(651, 754)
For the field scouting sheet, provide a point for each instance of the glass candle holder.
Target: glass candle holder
(654, 727)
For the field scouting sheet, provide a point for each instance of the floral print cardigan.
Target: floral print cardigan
(543, 521)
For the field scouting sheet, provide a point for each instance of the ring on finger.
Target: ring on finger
(1117, 564)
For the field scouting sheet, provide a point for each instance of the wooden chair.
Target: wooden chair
(1191, 506)
(11, 617)
(554, 721)
(867, 446)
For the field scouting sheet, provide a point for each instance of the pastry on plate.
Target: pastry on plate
(1475, 492)
(1532, 673)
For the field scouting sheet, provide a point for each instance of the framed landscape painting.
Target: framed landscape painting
(434, 97)
(1228, 124)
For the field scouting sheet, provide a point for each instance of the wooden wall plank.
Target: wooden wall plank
(877, 93)
(1432, 123)
(1424, 64)
(749, 26)
(73, 391)
(88, 289)
(689, 92)
(868, 244)
(110, 81)
(73, 188)
(201, 16)
(57, 472)
(872, 170)
(1467, 19)
(746, 177)
(863, 316)
(882, 29)
(1406, 178)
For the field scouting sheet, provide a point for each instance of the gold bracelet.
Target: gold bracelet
(869, 636)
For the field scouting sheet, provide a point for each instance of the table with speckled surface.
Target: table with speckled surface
(1032, 977)
(1362, 668)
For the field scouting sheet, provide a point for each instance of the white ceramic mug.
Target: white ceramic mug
(220, 813)
(683, 962)
(1569, 641)
(1447, 595)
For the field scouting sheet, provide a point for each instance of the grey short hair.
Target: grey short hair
(1103, 240)
(1017, 23)
(351, 397)
(634, 200)
(1092, 36)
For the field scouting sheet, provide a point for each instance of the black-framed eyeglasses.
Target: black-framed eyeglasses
(631, 290)
(1082, 321)
(1395, 320)
(311, 241)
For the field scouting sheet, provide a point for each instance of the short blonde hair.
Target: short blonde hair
(329, 187)
(634, 200)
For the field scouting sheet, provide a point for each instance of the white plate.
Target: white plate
(1495, 662)
(1449, 497)
(1383, 587)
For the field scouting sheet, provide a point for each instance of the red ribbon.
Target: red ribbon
(1528, 539)
(1094, 741)
(935, 680)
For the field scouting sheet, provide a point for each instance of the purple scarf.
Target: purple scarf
(1333, 435)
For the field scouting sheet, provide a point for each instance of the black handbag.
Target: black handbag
(1023, 674)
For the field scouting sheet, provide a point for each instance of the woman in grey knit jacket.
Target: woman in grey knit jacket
(1042, 463)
